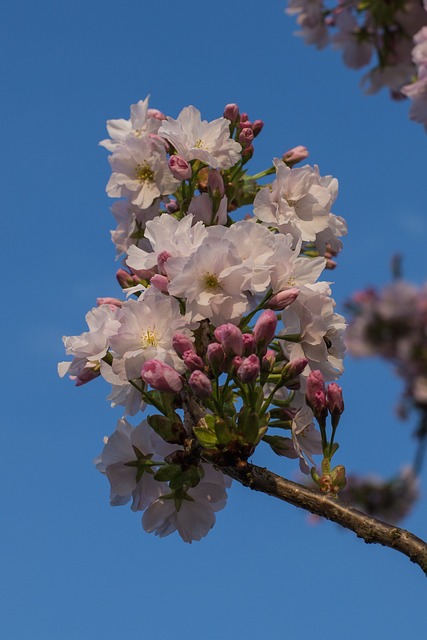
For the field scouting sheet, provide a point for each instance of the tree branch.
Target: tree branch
(364, 526)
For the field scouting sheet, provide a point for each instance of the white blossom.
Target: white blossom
(140, 172)
(146, 328)
(142, 121)
(197, 139)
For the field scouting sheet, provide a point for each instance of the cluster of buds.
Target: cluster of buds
(394, 33)
(324, 401)
(225, 323)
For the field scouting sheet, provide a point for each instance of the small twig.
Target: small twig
(364, 526)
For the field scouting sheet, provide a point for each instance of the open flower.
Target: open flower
(197, 139)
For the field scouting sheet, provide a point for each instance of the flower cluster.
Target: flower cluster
(392, 33)
(391, 324)
(226, 331)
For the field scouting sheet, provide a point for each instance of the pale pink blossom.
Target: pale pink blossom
(197, 139)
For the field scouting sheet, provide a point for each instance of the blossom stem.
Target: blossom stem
(372, 531)
(262, 174)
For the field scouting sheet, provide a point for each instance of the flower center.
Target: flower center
(199, 144)
(210, 282)
(149, 338)
(144, 173)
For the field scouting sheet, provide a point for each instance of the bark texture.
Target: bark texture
(327, 506)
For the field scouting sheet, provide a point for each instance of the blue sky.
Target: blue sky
(73, 567)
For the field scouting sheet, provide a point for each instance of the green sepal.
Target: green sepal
(171, 431)
(249, 425)
(168, 472)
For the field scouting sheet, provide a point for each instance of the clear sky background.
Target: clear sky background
(73, 568)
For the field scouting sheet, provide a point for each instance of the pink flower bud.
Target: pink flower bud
(200, 384)
(264, 330)
(215, 356)
(268, 361)
(244, 117)
(257, 127)
(294, 368)
(334, 399)
(231, 112)
(126, 279)
(215, 182)
(235, 364)
(249, 369)
(248, 153)
(315, 382)
(160, 282)
(161, 376)
(180, 168)
(192, 361)
(316, 394)
(283, 299)
(230, 338)
(295, 155)
(249, 344)
(86, 375)
(246, 136)
(182, 343)
(113, 302)
(155, 113)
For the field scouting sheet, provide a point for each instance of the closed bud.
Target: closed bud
(160, 282)
(249, 344)
(161, 376)
(180, 168)
(268, 360)
(215, 355)
(200, 385)
(335, 402)
(230, 338)
(182, 343)
(334, 399)
(295, 155)
(264, 330)
(87, 375)
(126, 279)
(247, 153)
(235, 364)
(231, 112)
(246, 136)
(249, 369)
(192, 361)
(316, 394)
(294, 368)
(283, 299)
(257, 127)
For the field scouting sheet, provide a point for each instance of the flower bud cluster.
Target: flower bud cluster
(393, 33)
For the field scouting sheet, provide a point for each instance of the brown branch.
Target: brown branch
(364, 526)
